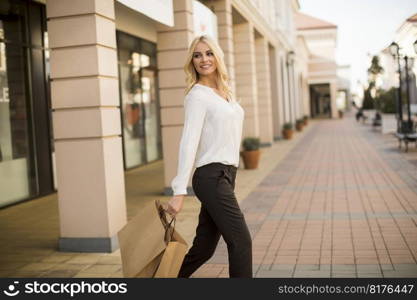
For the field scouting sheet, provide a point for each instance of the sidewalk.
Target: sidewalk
(337, 201)
(29, 231)
(341, 204)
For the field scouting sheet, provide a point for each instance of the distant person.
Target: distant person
(359, 114)
(377, 119)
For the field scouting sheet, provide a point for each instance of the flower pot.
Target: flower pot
(305, 122)
(250, 158)
(299, 126)
(340, 114)
(287, 133)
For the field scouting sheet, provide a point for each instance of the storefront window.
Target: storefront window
(17, 180)
(25, 167)
(139, 103)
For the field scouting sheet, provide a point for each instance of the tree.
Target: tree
(368, 101)
(386, 100)
(373, 71)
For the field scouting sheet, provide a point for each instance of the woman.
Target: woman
(210, 141)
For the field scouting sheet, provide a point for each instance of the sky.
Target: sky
(364, 27)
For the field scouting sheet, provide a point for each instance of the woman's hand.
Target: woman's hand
(175, 205)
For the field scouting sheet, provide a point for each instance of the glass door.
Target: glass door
(25, 163)
(139, 101)
(151, 121)
(17, 174)
(133, 111)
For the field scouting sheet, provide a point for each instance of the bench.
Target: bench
(407, 134)
(377, 120)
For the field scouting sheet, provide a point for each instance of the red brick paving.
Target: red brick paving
(343, 202)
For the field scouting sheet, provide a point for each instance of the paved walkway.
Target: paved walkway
(339, 200)
(29, 231)
(341, 204)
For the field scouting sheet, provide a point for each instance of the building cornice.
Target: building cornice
(322, 74)
(330, 79)
(276, 37)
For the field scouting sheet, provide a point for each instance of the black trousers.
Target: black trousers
(220, 214)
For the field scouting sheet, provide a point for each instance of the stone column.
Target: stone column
(245, 70)
(333, 95)
(223, 11)
(306, 97)
(275, 92)
(297, 98)
(282, 92)
(86, 122)
(263, 78)
(287, 92)
(291, 92)
(172, 47)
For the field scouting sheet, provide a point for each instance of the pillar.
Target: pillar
(282, 91)
(286, 90)
(275, 92)
(172, 48)
(297, 93)
(86, 124)
(333, 96)
(263, 78)
(245, 70)
(291, 93)
(223, 12)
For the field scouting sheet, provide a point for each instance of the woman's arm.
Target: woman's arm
(195, 111)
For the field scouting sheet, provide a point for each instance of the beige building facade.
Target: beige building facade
(117, 92)
(405, 37)
(252, 37)
(321, 38)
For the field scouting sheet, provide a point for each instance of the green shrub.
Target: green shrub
(251, 143)
(387, 101)
(288, 126)
(368, 101)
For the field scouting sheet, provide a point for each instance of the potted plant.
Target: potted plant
(287, 131)
(251, 152)
(299, 124)
(340, 113)
(305, 120)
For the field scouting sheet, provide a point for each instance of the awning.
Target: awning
(158, 10)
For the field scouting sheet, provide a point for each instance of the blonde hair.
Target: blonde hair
(222, 78)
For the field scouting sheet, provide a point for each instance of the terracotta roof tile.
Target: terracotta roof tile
(412, 18)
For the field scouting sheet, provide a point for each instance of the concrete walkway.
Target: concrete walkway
(29, 231)
(339, 200)
(341, 204)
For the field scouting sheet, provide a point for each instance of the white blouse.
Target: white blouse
(212, 133)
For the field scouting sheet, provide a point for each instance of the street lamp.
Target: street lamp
(395, 52)
(407, 83)
(394, 49)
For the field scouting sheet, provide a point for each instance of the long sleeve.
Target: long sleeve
(195, 111)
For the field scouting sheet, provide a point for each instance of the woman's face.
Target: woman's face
(203, 59)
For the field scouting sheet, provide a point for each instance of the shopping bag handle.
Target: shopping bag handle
(169, 226)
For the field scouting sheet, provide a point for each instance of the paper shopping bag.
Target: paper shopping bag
(172, 257)
(142, 243)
